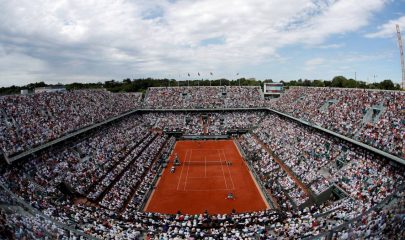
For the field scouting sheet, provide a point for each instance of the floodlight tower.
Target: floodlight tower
(401, 51)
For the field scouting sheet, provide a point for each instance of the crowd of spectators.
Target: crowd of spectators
(85, 165)
(273, 177)
(366, 179)
(221, 123)
(146, 186)
(374, 117)
(203, 123)
(101, 152)
(188, 123)
(313, 157)
(121, 167)
(381, 223)
(134, 174)
(203, 97)
(15, 225)
(27, 121)
(114, 168)
(308, 153)
(19, 222)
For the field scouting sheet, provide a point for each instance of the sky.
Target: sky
(97, 40)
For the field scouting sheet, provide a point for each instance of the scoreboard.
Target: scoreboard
(273, 88)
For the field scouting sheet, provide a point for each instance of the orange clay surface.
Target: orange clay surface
(206, 184)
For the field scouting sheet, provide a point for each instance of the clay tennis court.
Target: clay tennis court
(204, 180)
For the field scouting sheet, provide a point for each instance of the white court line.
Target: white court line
(230, 175)
(223, 172)
(181, 172)
(188, 168)
(205, 164)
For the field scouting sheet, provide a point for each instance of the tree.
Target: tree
(140, 85)
(397, 86)
(307, 83)
(362, 84)
(318, 83)
(351, 83)
(36, 85)
(338, 81)
(387, 84)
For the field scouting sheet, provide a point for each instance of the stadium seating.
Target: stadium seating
(203, 97)
(374, 117)
(27, 121)
(113, 169)
(194, 124)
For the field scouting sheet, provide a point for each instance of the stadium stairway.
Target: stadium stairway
(205, 125)
(133, 190)
(115, 165)
(371, 116)
(327, 104)
(109, 187)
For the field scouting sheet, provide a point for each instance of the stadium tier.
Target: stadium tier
(374, 117)
(98, 184)
(27, 121)
(203, 97)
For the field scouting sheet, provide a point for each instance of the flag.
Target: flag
(211, 73)
(198, 73)
(237, 74)
(188, 74)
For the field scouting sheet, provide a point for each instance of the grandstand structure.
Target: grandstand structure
(328, 162)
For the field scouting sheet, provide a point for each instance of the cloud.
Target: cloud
(388, 29)
(101, 39)
(313, 63)
(331, 46)
(369, 57)
(19, 68)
